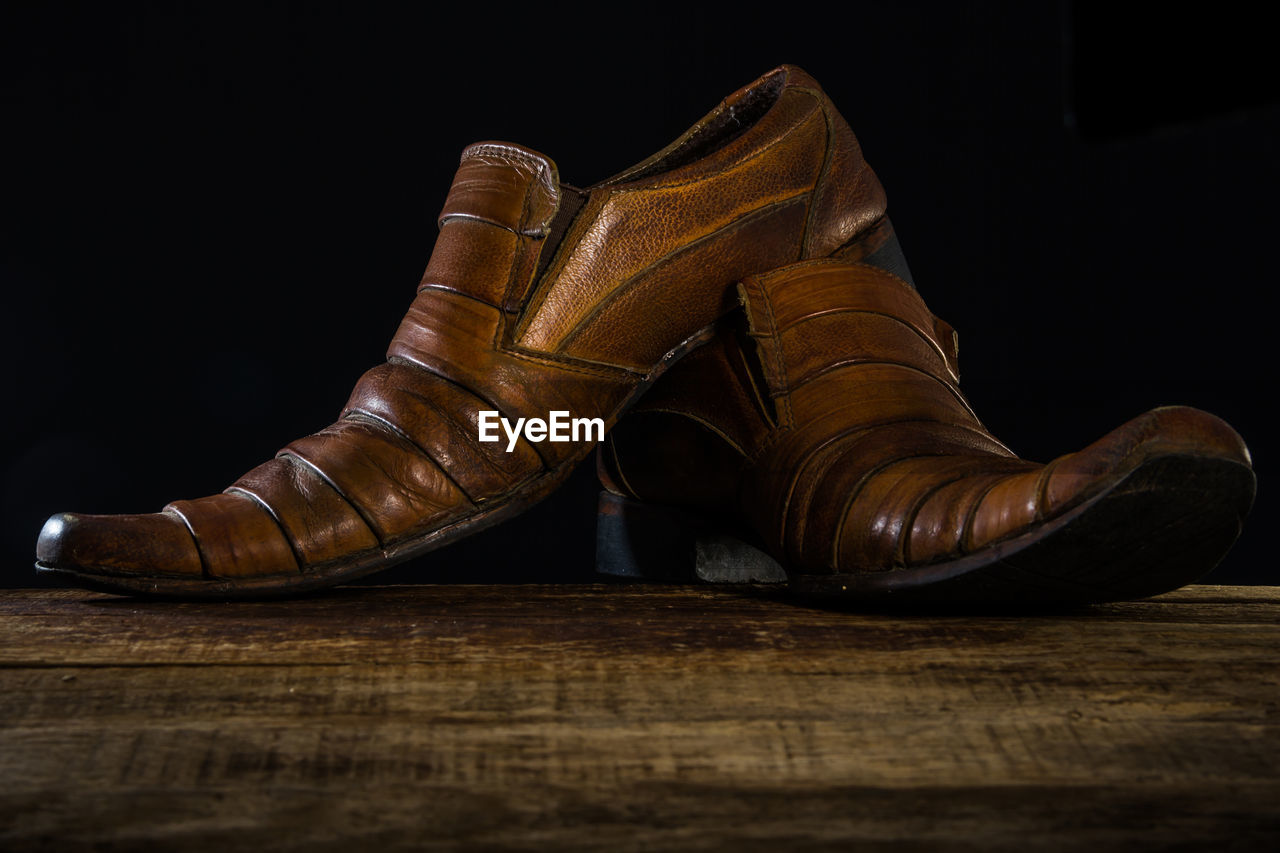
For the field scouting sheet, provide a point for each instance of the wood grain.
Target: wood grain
(635, 718)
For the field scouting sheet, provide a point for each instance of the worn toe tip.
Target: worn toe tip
(53, 548)
(152, 544)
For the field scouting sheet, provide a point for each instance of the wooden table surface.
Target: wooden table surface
(635, 718)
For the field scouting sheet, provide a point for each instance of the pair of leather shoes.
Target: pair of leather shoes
(813, 406)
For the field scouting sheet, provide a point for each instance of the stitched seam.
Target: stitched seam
(703, 126)
(572, 364)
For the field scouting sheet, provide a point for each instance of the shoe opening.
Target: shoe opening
(721, 127)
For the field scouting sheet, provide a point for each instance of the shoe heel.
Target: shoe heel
(878, 247)
(644, 542)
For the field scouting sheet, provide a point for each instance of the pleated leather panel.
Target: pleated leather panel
(474, 258)
(447, 333)
(443, 419)
(786, 296)
(817, 314)
(940, 526)
(822, 496)
(877, 519)
(1010, 505)
(236, 536)
(877, 391)
(394, 486)
(321, 525)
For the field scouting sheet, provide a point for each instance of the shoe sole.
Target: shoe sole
(1164, 524)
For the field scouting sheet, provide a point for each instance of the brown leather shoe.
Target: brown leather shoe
(838, 437)
(538, 298)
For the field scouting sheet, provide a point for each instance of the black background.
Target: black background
(214, 219)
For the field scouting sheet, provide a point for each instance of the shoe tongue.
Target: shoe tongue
(507, 185)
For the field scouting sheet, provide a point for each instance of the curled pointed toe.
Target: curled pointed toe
(117, 547)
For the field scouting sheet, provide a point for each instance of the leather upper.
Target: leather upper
(838, 432)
